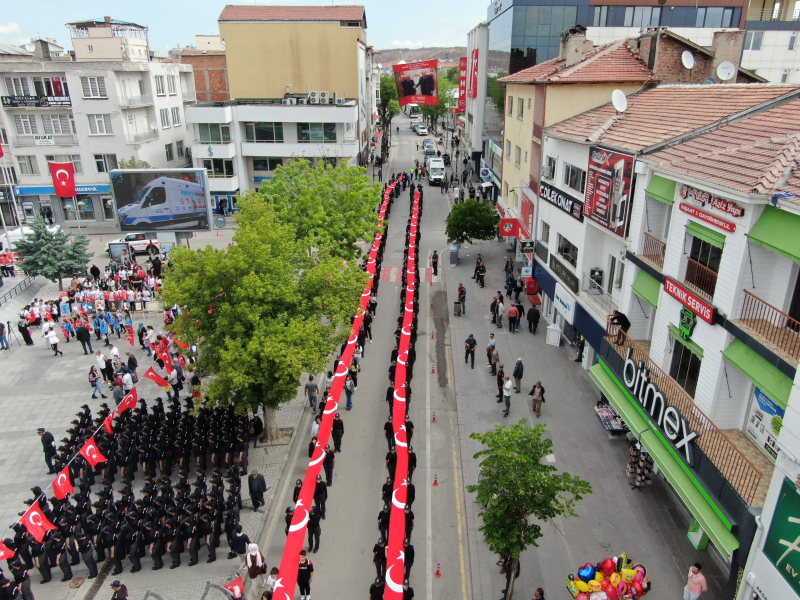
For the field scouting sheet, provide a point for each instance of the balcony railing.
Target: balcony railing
(700, 278)
(140, 138)
(131, 101)
(595, 292)
(766, 14)
(44, 140)
(653, 251)
(734, 466)
(779, 330)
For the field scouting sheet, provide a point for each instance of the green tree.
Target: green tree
(517, 484)
(326, 205)
(452, 75)
(389, 108)
(497, 91)
(134, 163)
(471, 220)
(433, 113)
(52, 254)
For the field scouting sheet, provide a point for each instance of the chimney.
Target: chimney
(574, 45)
(727, 45)
(107, 20)
(41, 49)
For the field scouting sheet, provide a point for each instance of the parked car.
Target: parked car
(422, 130)
(435, 170)
(428, 143)
(140, 243)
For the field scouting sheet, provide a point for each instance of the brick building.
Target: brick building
(210, 74)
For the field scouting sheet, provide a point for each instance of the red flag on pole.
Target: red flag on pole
(167, 362)
(62, 484)
(36, 523)
(129, 401)
(63, 175)
(6, 553)
(129, 337)
(183, 345)
(235, 587)
(152, 375)
(91, 453)
(108, 422)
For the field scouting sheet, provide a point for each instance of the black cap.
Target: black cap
(115, 583)
(40, 430)
(405, 542)
(300, 481)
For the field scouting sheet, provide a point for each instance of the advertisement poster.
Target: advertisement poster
(608, 189)
(416, 82)
(472, 88)
(764, 423)
(462, 84)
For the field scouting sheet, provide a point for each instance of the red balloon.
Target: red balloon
(609, 589)
(607, 566)
(638, 589)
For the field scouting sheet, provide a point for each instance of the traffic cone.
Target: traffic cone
(438, 572)
(432, 335)
(434, 418)
(433, 369)
(435, 480)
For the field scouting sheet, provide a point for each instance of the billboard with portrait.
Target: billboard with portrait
(417, 82)
(609, 189)
(161, 199)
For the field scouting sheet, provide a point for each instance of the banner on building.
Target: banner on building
(608, 189)
(509, 227)
(472, 88)
(462, 84)
(417, 83)
(764, 423)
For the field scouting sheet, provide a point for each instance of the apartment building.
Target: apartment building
(107, 103)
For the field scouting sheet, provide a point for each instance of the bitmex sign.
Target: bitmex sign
(667, 418)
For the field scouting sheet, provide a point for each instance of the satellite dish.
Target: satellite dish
(380, 66)
(619, 100)
(154, 126)
(726, 70)
(687, 58)
(709, 81)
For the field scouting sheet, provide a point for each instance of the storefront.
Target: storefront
(93, 203)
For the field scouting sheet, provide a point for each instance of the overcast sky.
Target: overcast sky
(407, 24)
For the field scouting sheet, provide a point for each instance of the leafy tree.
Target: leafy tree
(452, 75)
(326, 205)
(52, 254)
(496, 91)
(442, 108)
(471, 220)
(517, 484)
(388, 109)
(134, 163)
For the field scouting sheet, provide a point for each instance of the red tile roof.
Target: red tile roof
(203, 53)
(233, 12)
(615, 62)
(660, 114)
(757, 154)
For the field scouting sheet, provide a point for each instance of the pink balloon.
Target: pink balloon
(639, 576)
(622, 588)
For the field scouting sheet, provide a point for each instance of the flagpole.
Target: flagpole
(77, 212)
(7, 178)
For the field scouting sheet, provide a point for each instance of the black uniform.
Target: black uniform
(314, 530)
(320, 497)
(49, 447)
(337, 431)
(379, 558)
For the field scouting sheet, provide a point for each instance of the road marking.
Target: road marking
(456, 479)
(429, 581)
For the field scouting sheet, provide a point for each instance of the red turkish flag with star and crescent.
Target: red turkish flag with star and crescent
(129, 401)
(6, 553)
(36, 523)
(62, 484)
(108, 422)
(152, 375)
(236, 583)
(129, 337)
(63, 175)
(91, 453)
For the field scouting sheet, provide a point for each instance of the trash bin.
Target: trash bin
(456, 309)
(530, 286)
(454, 255)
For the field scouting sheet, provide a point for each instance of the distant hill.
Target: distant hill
(417, 54)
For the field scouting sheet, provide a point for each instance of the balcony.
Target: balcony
(768, 14)
(597, 298)
(700, 279)
(779, 332)
(218, 149)
(136, 101)
(653, 251)
(45, 140)
(217, 182)
(141, 138)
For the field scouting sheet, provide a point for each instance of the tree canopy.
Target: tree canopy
(471, 220)
(52, 254)
(445, 102)
(389, 106)
(134, 163)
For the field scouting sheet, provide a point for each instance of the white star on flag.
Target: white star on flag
(402, 556)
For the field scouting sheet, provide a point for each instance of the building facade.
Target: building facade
(210, 69)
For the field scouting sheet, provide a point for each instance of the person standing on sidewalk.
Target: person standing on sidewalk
(519, 368)
(501, 309)
(537, 392)
(513, 315)
(507, 394)
(478, 261)
(501, 377)
(533, 319)
(695, 584)
(480, 273)
(305, 575)
(489, 349)
(4, 339)
(312, 391)
(495, 360)
(469, 345)
(462, 298)
(435, 262)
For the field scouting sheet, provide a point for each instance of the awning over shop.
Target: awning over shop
(661, 189)
(690, 345)
(672, 469)
(777, 231)
(766, 376)
(715, 238)
(647, 288)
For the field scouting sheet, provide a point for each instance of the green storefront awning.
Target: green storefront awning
(690, 345)
(661, 189)
(766, 376)
(647, 288)
(715, 238)
(777, 231)
(687, 488)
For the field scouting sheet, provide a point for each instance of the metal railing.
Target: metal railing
(772, 324)
(598, 294)
(766, 14)
(130, 101)
(700, 278)
(653, 250)
(17, 289)
(734, 466)
(140, 138)
(58, 140)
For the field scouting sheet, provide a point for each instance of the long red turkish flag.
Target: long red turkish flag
(63, 175)
(152, 375)
(91, 453)
(62, 484)
(36, 523)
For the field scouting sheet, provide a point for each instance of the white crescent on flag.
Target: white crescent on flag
(35, 514)
(400, 397)
(62, 181)
(402, 358)
(91, 451)
(395, 587)
(352, 339)
(405, 331)
(301, 524)
(397, 502)
(399, 443)
(316, 461)
(410, 307)
(329, 410)
(58, 479)
(343, 372)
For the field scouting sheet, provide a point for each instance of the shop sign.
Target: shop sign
(36, 102)
(564, 303)
(526, 246)
(609, 193)
(509, 227)
(708, 217)
(667, 418)
(526, 211)
(782, 547)
(462, 84)
(703, 199)
(562, 201)
(44, 140)
(764, 423)
(702, 309)
(472, 88)
(687, 323)
(564, 273)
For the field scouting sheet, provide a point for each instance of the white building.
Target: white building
(110, 103)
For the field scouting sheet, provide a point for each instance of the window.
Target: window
(156, 196)
(17, 86)
(776, 11)
(549, 167)
(510, 105)
(160, 85)
(567, 250)
(91, 48)
(508, 149)
(50, 86)
(612, 267)
(75, 159)
(263, 132)
(520, 108)
(574, 177)
(218, 167)
(685, 367)
(105, 162)
(752, 40)
(170, 152)
(792, 41)
(545, 237)
(100, 125)
(785, 76)
(25, 124)
(171, 85)
(266, 164)
(3, 137)
(28, 165)
(517, 155)
(176, 117)
(214, 133)
(56, 124)
(94, 87)
(641, 16)
(179, 148)
(620, 275)
(317, 133)
(164, 118)
(600, 16)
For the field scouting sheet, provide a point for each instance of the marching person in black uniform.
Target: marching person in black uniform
(49, 447)
(314, 529)
(337, 431)
(83, 544)
(379, 557)
(409, 556)
(320, 495)
(383, 521)
(327, 464)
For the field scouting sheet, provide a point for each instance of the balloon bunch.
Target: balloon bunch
(611, 579)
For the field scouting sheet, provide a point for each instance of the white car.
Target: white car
(140, 243)
(422, 130)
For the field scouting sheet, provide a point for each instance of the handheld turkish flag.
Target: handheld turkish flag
(235, 587)
(108, 423)
(63, 175)
(36, 523)
(91, 453)
(152, 375)
(129, 329)
(167, 362)
(129, 401)
(62, 484)
(129, 337)
(6, 553)
(183, 345)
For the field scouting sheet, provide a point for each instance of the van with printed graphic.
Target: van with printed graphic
(166, 203)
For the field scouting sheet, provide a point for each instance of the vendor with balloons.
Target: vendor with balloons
(611, 579)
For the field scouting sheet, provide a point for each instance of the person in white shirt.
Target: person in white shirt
(507, 385)
(113, 352)
(127, 380)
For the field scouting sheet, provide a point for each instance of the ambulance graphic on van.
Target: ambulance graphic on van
(166, 202)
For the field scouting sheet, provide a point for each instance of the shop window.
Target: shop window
(567, 250)
(545, 238)
(685, 367)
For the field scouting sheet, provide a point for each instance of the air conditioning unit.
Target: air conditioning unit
(302, 100)
(285, 101)
(341, 101)
(547, 172)
(324, 97)
(292, 101)
(313, 97)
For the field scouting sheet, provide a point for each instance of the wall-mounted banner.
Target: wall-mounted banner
(764, 423)
(564, 303)
(705, 199)
(462, 84)
(561, 200)
(509, 227)
(472, 88)
(608, 189)
(702, 309)
(708, 217)
(416, 82)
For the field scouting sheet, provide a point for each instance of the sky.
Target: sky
(407, 24)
